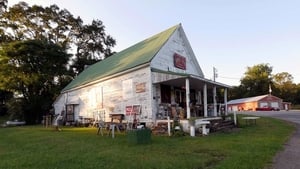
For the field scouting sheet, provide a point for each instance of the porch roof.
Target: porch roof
(178, 80)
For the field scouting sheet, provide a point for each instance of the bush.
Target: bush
(297, 107)
(3, 110)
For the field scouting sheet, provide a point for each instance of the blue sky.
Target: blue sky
(230, 35)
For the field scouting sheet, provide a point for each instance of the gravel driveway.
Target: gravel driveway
(289, 158)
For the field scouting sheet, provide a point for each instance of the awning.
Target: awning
(178, 80)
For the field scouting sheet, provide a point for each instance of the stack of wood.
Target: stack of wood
(160, 129)
(221, 125)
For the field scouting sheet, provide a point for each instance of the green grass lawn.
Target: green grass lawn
(35, 147)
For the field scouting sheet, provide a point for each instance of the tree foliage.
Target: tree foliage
(297, 97)
(92, 45)
(41, 49)
(259, 78)
(4, 96)
(25, 64)
(23, 22)
(285, 88)
(256, 80)
(31, 69)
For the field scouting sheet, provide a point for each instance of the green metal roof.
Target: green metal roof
(136, 55)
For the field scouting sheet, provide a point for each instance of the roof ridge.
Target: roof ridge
(246, 99)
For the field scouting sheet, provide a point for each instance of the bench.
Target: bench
(250, 120)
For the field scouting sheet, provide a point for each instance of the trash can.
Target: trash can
(139, 136)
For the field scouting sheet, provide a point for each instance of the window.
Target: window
(70, 113)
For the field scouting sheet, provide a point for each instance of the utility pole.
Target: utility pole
(215, 71)
(270, 89)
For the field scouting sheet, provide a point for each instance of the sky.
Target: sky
(229, 35)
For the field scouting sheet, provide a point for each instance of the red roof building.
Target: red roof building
(266, 102)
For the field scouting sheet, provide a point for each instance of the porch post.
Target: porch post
(199, 97)
(205, 99)
(215, 100)
(187, 96)
(225, 101)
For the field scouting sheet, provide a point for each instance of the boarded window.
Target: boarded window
(127, 88)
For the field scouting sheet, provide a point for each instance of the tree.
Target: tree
(256, 80)
(285, 88)
(236, 92)
(23, 22)
(32, 69)
(34, 60)
(4, 96)
(297, 98)
(283, 78)
(259, 78)
(92, 45)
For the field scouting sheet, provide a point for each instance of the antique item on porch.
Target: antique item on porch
(203, 124)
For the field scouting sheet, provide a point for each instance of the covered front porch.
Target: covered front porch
(185, 96)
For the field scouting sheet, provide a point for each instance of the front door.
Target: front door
(70, 113)
(165, 94)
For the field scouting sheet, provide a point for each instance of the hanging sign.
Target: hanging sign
(179, 61)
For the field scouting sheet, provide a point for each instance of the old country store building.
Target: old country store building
(153, 79)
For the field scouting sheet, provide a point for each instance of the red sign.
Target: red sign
(179, 61)
(133, 109)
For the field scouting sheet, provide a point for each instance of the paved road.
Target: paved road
(289, 158)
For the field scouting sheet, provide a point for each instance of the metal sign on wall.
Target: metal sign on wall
(133, 109)
(179, 61)
(140, 88)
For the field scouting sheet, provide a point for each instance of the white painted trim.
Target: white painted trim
(205, 99)
(215, 100)
(225, 101)
(187, 92)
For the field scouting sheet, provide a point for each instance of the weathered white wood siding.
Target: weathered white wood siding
(59, 104)
(178, 43)
(116, 93)
(113, 95)
(164, 60)
(161, 77)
